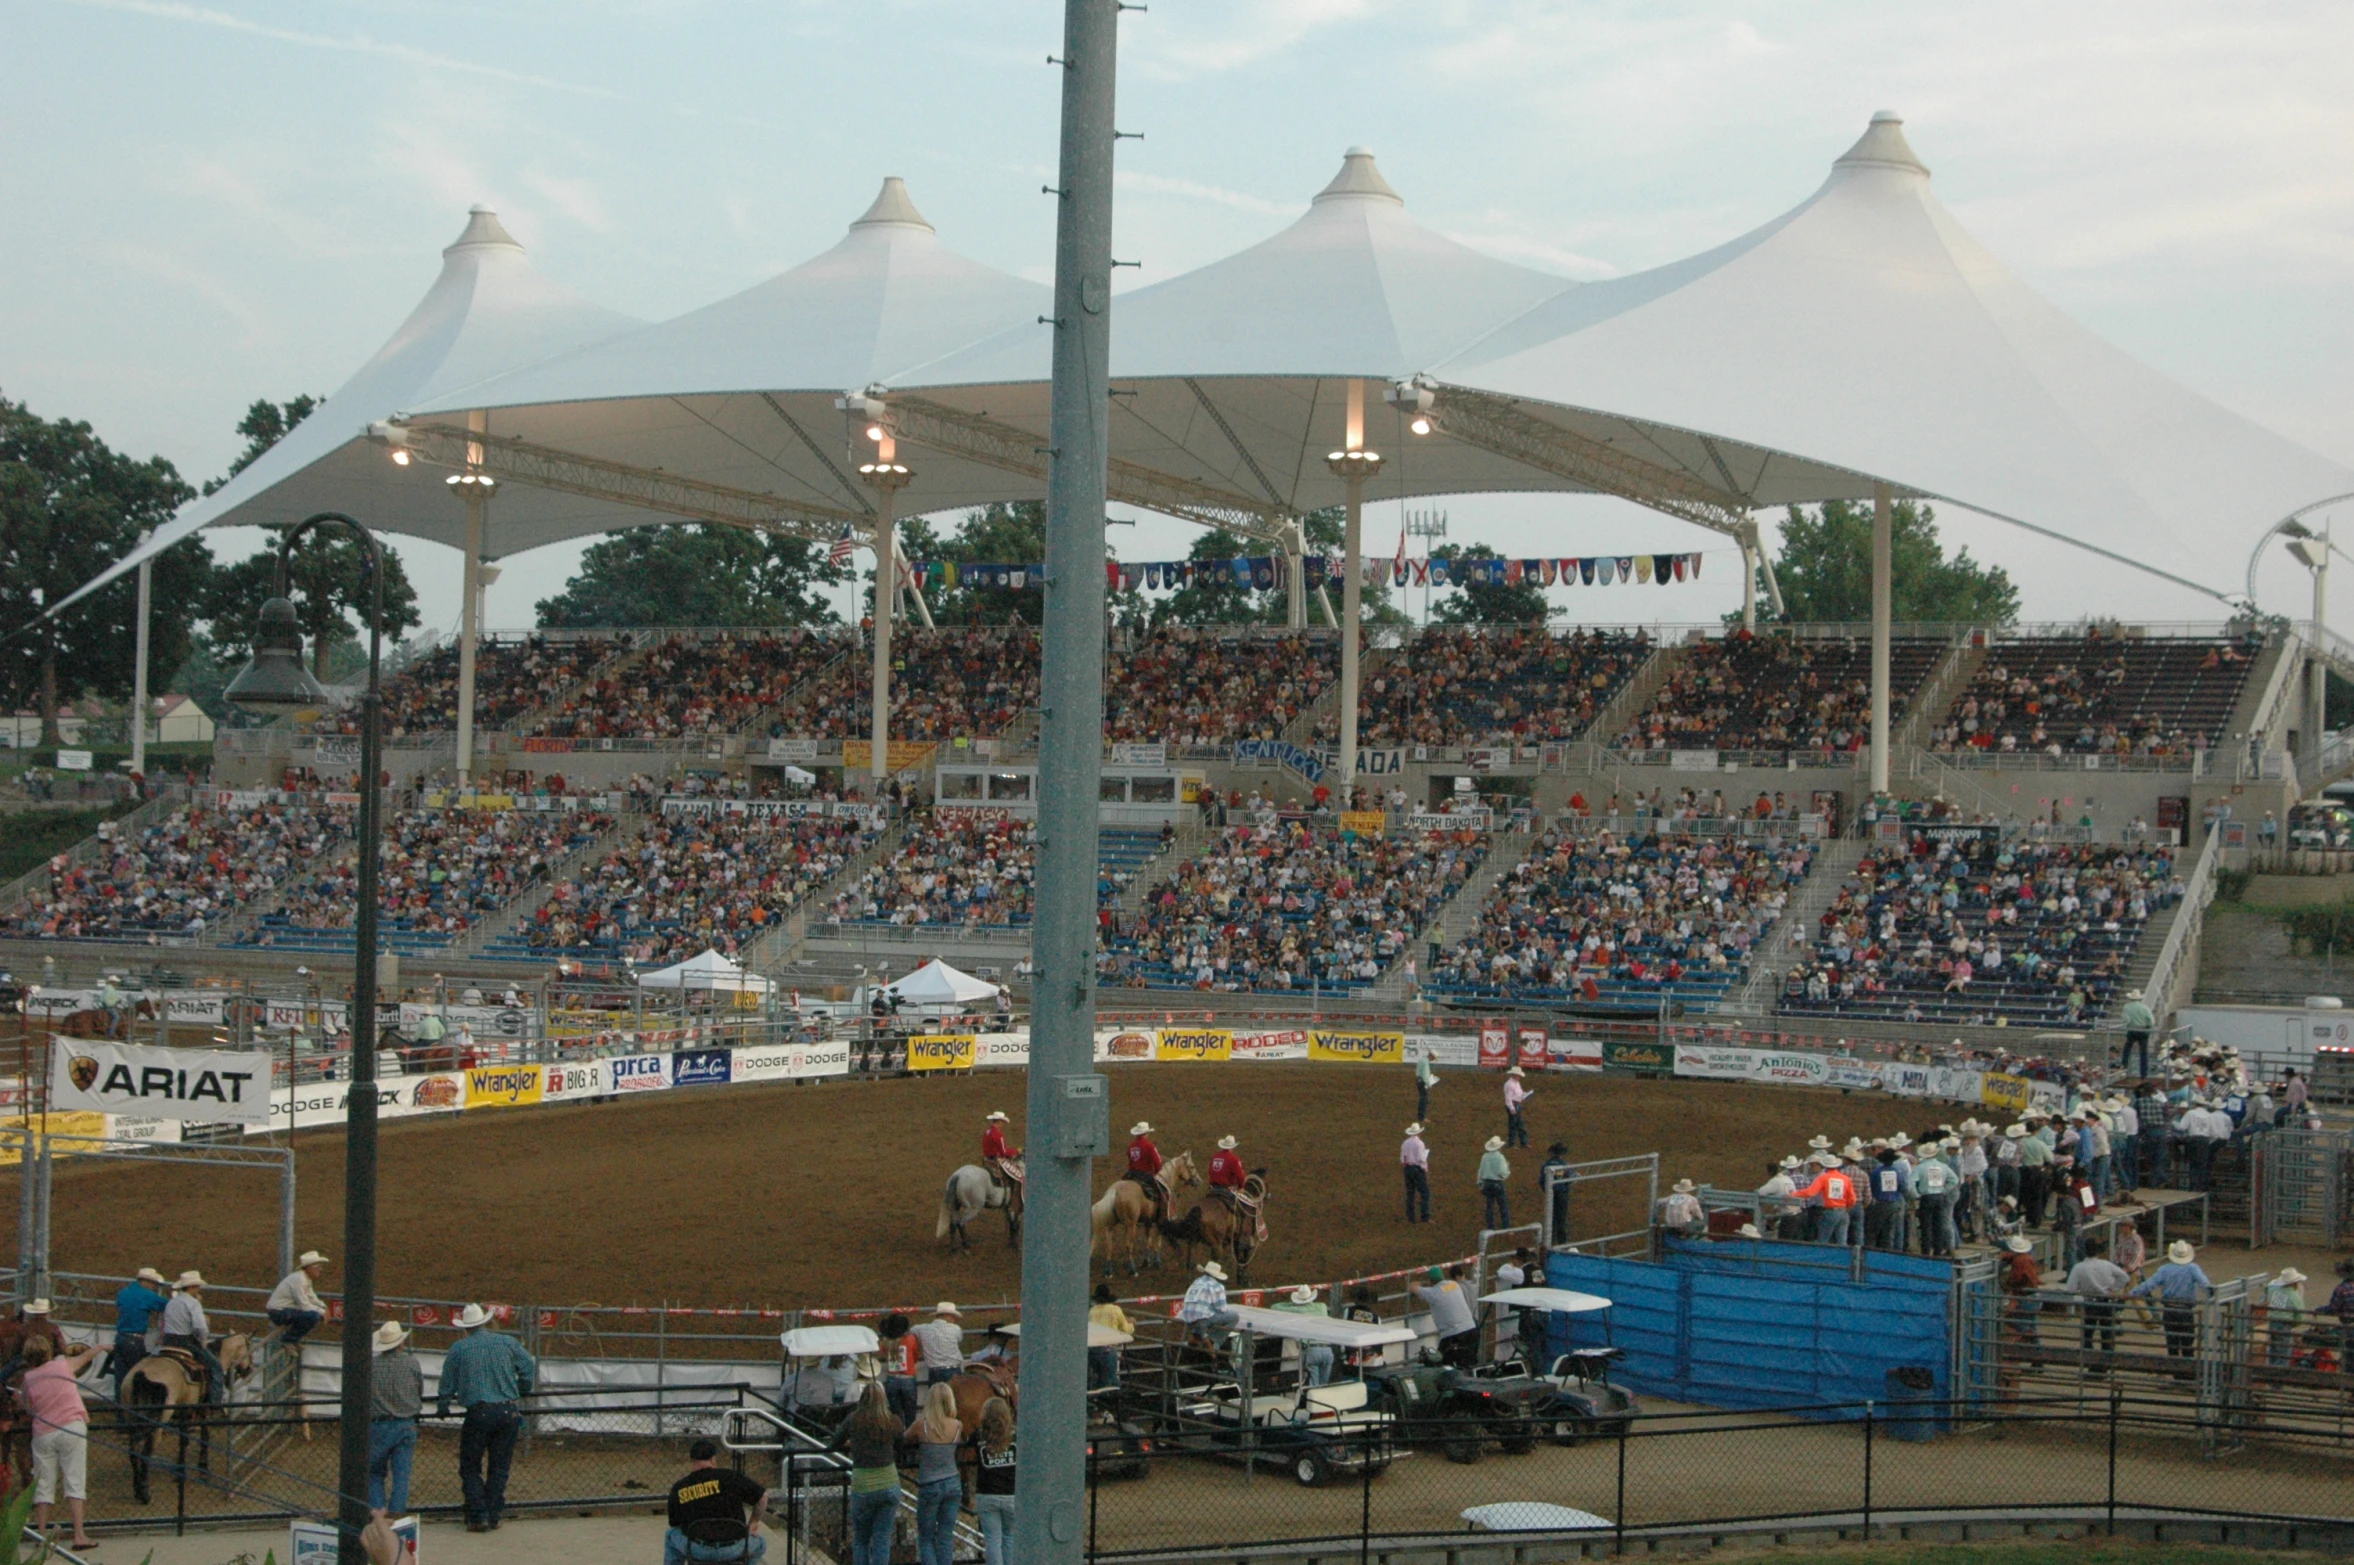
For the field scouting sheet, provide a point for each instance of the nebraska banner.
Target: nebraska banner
(207, 1086)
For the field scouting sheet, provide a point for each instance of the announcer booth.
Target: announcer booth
(1133, 796)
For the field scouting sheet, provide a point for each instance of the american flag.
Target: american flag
(840, 552)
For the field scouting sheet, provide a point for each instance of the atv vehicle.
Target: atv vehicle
(1460, 1411)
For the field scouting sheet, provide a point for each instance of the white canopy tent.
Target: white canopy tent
(937, 984)
(708, 971)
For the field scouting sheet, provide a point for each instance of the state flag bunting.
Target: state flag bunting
(1398, 570)
(1608, 567)
(1680, 559)
(1586, 571)
(1263, 572)
(1626, 567)
(1439, 569)
(1545, 572)
(1643, 569)
(1421, 573)
(1513, 574)
(1694, 557)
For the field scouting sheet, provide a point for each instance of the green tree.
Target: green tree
(264, 425)
(328, 581)
(695, 574)
(1327, 533)
(1824, 567)
(1000, 534)
(1214, 598)
(69, 507)
(1482, 603)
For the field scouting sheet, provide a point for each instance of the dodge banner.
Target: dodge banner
(206, 1086)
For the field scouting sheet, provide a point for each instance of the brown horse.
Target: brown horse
(162, 1386)
(93, 1023)
(1230, 1233)
(1125, 1208)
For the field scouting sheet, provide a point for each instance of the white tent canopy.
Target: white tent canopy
(707, 971)
(936, 983)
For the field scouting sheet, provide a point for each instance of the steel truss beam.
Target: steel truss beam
(1501, 425)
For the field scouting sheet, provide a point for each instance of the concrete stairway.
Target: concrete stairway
(1830, 871)
(1460, 912)
(1188, 843)
(1633, 696)
(1926, 711)
(775, 951)
(1301, 730)
(518, 912)
(760, 719)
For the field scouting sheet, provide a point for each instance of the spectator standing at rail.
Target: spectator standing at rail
(2098, 1284)
(135, 1308)
(2178, 1286)
(993, 1481)
(1414, 1163)
(714, 1512)
(1451, 1318)
(2139, 1022)
(1554, 1177)
(939, 1489)
(1494, 1171)
(61, 1432)
(941, 1342)
(1315, 1357)
(488, 1374)
(396, 1398)
(871, 1438)
(1103, 1364)
(1516, 1095)
(295, 1306)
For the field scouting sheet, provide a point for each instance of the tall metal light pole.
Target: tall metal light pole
(139, 669)
(1068, 1103)
(1352, 464)
(276, 682)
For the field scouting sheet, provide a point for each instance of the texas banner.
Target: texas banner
(206, 1086)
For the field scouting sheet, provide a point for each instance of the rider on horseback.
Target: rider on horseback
(1144, 1166)
(186, 1329)
(1002, 1161)
(1227, 1174)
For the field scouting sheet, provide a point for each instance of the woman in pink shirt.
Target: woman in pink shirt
(61, 1432)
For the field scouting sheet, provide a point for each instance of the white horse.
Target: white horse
(970, 1191)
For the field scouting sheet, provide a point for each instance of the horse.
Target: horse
(970, 1191)
(1230, 1233)
(1126, 1207)
(162, 1385)
(94, 1022)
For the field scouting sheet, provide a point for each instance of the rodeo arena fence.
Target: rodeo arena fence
(1734, 1385)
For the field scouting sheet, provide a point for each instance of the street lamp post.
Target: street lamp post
(275, 682)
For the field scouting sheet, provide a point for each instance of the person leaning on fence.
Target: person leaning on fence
(1777, 1199)
(714, 1512)
(295, 1306)
(1203, 1311)
(1494, 1171)
(396, 1398)
(488, 1374)
(61, 1432)
(2284, 1315)
(135, 1309)
(940, 1342)
(1679, 1212)
(1451, 1317)
(993, 1481)
(2178, 1286)
(1103, 1364)
(872, 1438)
(1414, 1163)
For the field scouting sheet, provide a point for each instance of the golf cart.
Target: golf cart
(1315, 1433)
(1584, 1402)
(826, 1368)
(1116, 1447)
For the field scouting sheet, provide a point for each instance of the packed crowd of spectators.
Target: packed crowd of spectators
(2096, 695)
(179, 876)
(1206, 686)
(510, 679)
(1750, 692)
(1977, 929)
(952, 867)
(1609, 918)
(1288, 906)
(687, 686)
(695, 883)
(1456, 685)
(945, 684)
(441, 871)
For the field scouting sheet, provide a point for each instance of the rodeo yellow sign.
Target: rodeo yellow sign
(504, 1086)
(1358, 1048)
(942, 1052)
(1999, 1091)
(1175, 1043)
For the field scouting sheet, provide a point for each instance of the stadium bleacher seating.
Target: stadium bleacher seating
(1980, 929)
(945, 684)
(181, 875)
(1208, 685)
(692, 686)
(510, 678)
(1606, 921)
(2100, 695)
(1777, 693)
(976, 869)
(1466, 685)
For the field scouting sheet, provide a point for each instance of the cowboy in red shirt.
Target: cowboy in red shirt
(1001, 1159)
(1144, 1166)
(1226, 1171)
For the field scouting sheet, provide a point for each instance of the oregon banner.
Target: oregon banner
(504, 1086)
(1358, 1048)
(942, 1052)
(1178, 1043)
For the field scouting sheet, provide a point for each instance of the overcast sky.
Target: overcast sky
(209, 203)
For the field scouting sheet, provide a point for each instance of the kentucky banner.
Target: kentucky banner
(206, 1086)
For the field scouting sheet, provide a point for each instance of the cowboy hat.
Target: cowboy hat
(1792, 1161)
(2017, 1244)
(189, 1279)
(1824, 1158)
(1305, 1293)
(1495, 1143)
(1414, 1129)
(1142, 1127)
(36, 1307)
(312, 1258)
(1900, 1141)
(1516, 1071)
(1685, 1187)
(2133, 994)
(1227, 1143)
(388, 1336)
(994, 1114)
(150, 1274)
(1558, 1149)
(471, 1316)
(2180, 1252)
(1212, 1269)
(1818, 1142)
(2290, 1275)
(947, 1307)
(2014, 1131)
(1749, 1231)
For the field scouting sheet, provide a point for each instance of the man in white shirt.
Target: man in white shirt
(295, 1306)
(1414, 1163)
(940, 1344)
(2098, 1283)
(185, 1327)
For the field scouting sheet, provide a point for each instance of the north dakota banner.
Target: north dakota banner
(206, 1086)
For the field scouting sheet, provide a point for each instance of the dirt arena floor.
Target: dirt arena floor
(826, 1195)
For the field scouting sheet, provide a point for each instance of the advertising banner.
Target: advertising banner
(483, 1021)
(858, 755)
(1291, 1045)
(2046, 1097)
(1365, 823)
(1187, 1043)
(1450, 1048)
(1911, 1081)
(83, 1126)
(1853, 1075)
(1451, 820)
(397, 1097)
(310, 1015)
(503, 1086)
(1138, 754)
(1692, 760)
(195, 1007)
(1574, 1054)
(639, 1072)
(573, 1080)
(1495, 1044)
(1646, 1059)
(804, 750)
(1998, 1089)
(1358, 1048)
(793, 1061)
(1810, 1070)
(208, 1086)
(1532, 1049)
(1001, 1048)
(771, 809)
(699, 1068)
(1123, 1043)
(942, 1052)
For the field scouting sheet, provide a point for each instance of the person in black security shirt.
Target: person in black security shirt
(720, 1505)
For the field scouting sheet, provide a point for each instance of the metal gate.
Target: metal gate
(2225, 1346)
(2301, 1188)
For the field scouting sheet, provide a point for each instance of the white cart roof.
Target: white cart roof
(1319, 1328)
(819, 1342)
(1098, 1336)
(1562, 1300)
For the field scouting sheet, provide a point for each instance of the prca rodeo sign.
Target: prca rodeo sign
(206, 1086)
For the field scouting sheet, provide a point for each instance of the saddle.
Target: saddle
(1001, 1377)
(1007, 1171)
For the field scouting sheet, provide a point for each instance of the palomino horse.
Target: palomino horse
(162, 1386)
(1230, 1233)
(970, 1191)
(1125, 1208)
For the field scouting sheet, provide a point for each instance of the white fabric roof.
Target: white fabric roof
(489, 311)
(1864, 330)
(707, 970)
(936, 983)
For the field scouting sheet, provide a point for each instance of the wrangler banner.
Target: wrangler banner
(1181, 1043)
(2001, 1091)
(942, 1052)
(1358, 1048)
(504, 1086)
(207, 1086)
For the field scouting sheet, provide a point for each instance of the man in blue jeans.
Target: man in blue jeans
(488, 1375)
(714, 1513)
(295, 1306)
(396, 1395)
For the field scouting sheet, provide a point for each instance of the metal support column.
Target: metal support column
(886, 543)
(139, 713)
(1352, 465)
(1748, 585)
(2316, 670)
(1883, 507)
(1051, 1479)
(1295, 584)
(469, 629)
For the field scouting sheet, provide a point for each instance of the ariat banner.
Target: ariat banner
(1176, 1043)
(204, 1086)
(942, 1052)
(1358, 1048)
(504, 1086)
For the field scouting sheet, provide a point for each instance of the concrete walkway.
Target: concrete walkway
(566, 1540)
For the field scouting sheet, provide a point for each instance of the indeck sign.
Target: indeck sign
(205, 1086)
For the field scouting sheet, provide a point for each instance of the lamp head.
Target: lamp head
(275, 682)
(2310, 551)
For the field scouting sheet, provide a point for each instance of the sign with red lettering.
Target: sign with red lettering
(1532, 1048)
(1495, 1045)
